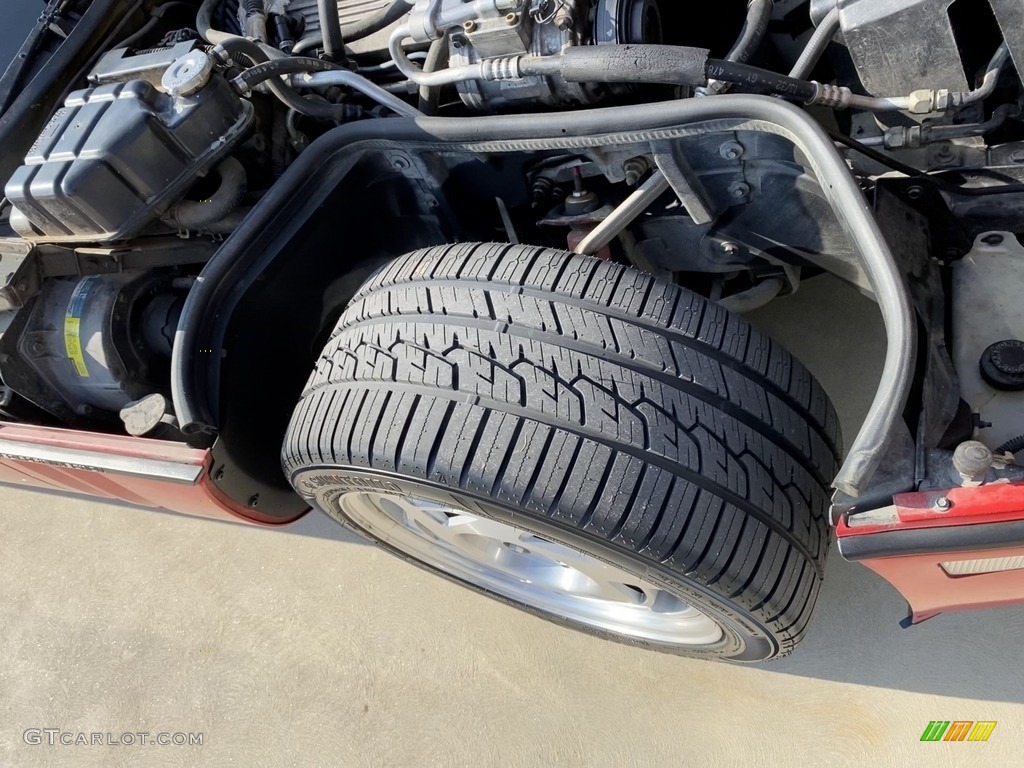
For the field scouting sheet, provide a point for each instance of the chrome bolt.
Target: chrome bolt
(730, 248)
(942, 504)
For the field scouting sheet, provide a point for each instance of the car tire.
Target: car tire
(578, 438)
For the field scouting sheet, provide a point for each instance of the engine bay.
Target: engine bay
(167, 141)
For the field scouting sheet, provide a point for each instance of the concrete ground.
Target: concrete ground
(307, 648)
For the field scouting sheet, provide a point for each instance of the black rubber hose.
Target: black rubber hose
(1016, 445)
(761, 80)
(437, 57)
(366, 26)
(255, 19)
(204, 22)
(286, 94)
(319, 170)
(662, 64)
(755, 26)
(198, 216)
(330, 28)
(292, 65)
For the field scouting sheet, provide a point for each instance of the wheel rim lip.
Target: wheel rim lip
(545, 576)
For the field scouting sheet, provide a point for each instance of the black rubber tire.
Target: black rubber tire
(591, 403)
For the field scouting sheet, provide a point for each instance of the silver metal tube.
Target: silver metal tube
(418, 76)
(625, 214)
(988, 84)
(816, 45)
(358, 83)
(933, 101)
(879, 103)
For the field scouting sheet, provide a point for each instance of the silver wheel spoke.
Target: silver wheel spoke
(530, 569)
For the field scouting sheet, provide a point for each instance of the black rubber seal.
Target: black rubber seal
(922, 541)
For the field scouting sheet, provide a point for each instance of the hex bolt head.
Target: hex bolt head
(1017, 156)
(731, 150)
(730, 248)
(739, 190)
(942, 504)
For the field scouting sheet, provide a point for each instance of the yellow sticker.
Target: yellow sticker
(72, 327)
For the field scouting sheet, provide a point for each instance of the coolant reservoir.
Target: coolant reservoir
(988, 309)
(118, 155)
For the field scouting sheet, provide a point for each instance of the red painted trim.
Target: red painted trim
(967, 506)
(930, 590)
(67, 467)
(919, 578)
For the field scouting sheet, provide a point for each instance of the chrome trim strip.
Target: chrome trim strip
(72, 458)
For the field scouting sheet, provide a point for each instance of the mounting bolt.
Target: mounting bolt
(739, 190)
(729, 248)
(1017, 156)
(254, 501)
(635, 168)
(512, 19)
(731, 150)
(469, 25)
(944, 154)
(564, 19)
(942, 504)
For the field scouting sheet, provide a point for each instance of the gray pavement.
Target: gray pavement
(305, 647)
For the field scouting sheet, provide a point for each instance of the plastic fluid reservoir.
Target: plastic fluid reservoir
(988, 334)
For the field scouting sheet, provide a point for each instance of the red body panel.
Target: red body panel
(930, 590)
(176, 477)
(919, 577)
(150, 473)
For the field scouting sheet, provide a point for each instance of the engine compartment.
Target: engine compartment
(169, 140)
